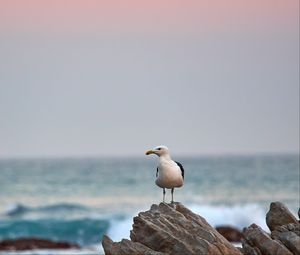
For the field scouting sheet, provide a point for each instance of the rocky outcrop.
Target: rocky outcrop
(289, 235)
(257, 238)
(34, 243)
(171, 229)
(279, 215)
(174, 229)
(284, 238)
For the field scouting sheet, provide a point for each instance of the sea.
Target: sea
(78, 200)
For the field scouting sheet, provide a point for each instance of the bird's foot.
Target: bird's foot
(173, 204)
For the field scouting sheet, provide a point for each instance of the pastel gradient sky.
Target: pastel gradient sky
(92, 78)
(146, 17)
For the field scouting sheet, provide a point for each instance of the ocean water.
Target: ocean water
(79, 200)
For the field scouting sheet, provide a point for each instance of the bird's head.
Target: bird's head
(160, 150)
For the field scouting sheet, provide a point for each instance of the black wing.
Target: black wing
(181, 168)
(156, 171)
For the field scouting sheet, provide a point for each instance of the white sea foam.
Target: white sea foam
(238, 216)
(120, 229)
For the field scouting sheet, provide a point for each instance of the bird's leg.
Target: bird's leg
(172, 192)
(164, 193)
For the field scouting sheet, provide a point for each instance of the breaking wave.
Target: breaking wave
(87, 229)
(20, 209)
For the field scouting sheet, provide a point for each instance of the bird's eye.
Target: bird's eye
(158, 149)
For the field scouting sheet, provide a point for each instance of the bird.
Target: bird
(169, 173)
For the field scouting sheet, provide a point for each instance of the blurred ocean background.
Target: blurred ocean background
(79, 200)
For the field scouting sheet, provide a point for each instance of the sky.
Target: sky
(115, 78)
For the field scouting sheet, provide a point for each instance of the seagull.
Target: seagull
(169, 173)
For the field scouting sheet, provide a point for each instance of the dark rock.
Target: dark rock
(258, 240)
(171, 229)
(230, 233)
(284, 237)
(249, 250)
(289, 235)
(279, 215)
(34, 243)
(126, 247)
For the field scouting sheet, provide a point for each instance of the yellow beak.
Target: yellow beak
(149, 152)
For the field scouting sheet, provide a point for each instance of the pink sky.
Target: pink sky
(155, 15)
(228, 68)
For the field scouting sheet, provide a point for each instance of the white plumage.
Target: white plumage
(170, 174)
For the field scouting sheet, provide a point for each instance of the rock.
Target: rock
(126, 247)
(230, 233)
(34, 243)
(174, 229)
(289, 235)
(171, 229)
(249, 250)
(284, 238)
(258, 240)
(279, 215)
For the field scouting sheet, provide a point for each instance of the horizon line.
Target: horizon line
(132, 156)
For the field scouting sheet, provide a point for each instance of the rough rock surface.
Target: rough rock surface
(289, 235)
(230, 233)
(174, 229)
(284, 238)
(126, 247)
(34, 243)
(279, 215)
(256, 237)
(171, 229)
